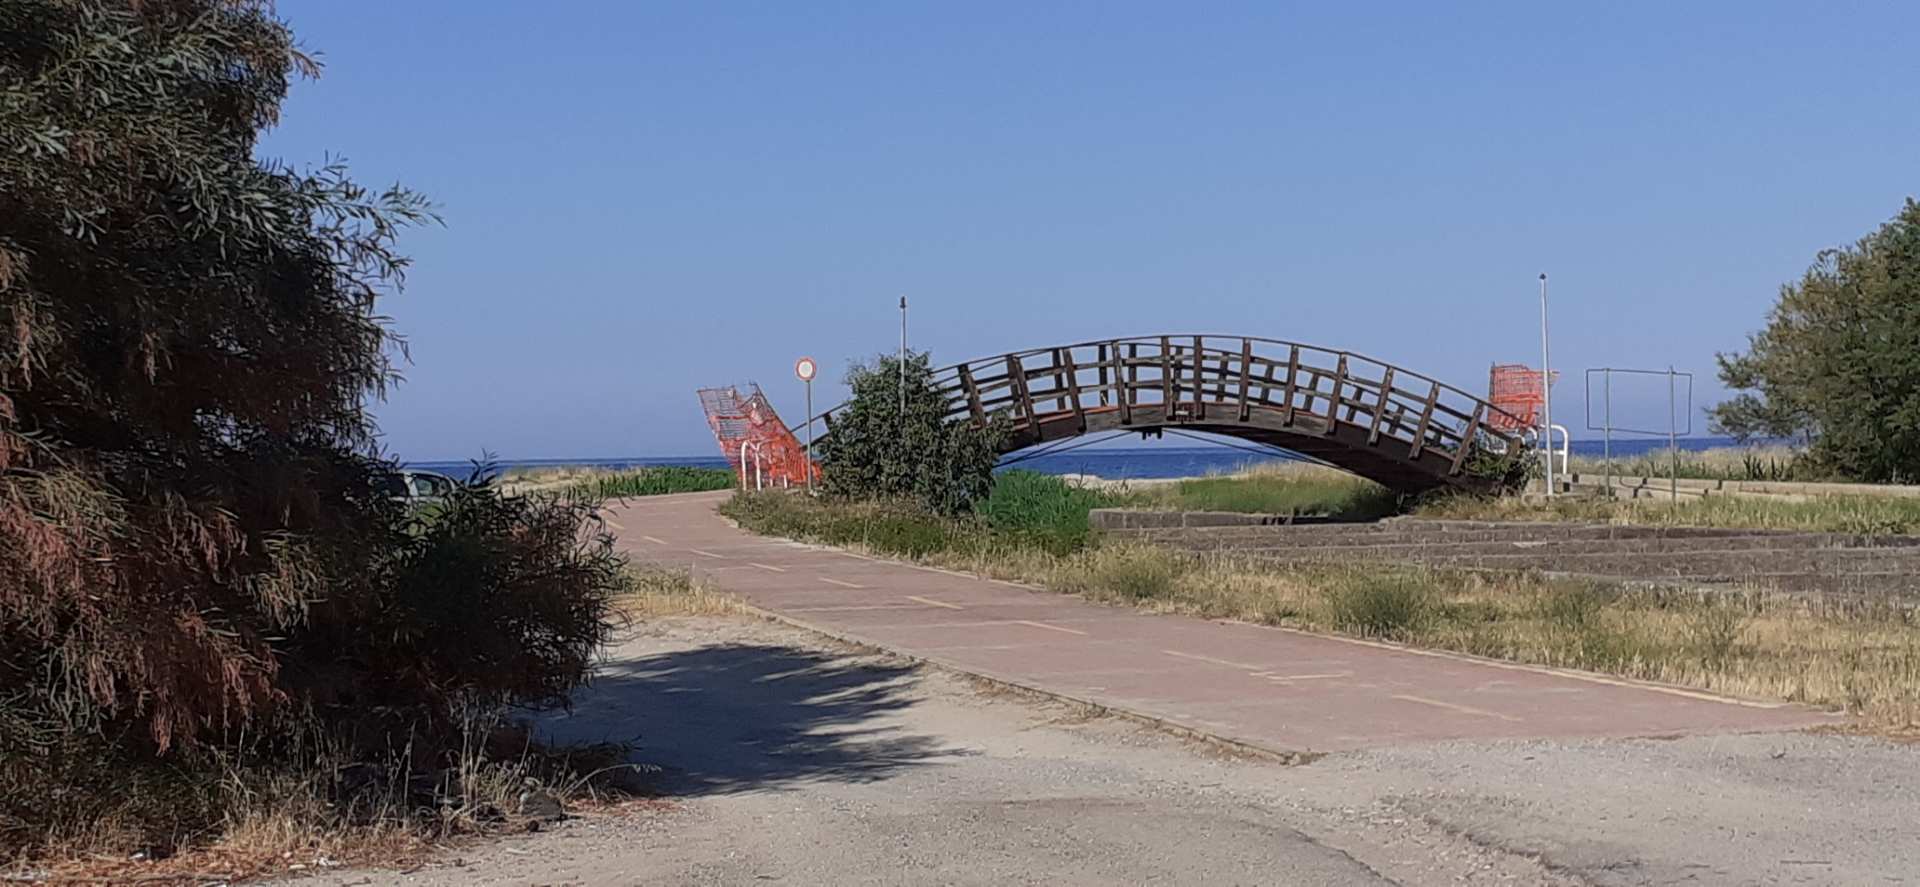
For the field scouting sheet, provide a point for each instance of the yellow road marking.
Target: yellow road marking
(655, 540)
(933, 603)
(832, 581)
(1463, 709)
(707, 554)
(1046, 626)
(768, 567)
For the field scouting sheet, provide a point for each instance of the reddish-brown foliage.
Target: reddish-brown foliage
(191, 541)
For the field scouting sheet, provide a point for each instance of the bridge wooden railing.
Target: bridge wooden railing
(1222, 383)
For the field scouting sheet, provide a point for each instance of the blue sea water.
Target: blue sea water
(1109, 462)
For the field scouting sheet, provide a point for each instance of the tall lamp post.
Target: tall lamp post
(903, 360)
(1546, 387)
(805, 368)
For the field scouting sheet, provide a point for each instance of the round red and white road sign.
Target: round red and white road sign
(804, 368)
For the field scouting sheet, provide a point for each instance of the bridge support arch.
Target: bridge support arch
(1404, 430)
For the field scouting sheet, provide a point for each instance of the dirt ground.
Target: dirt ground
(793, 760)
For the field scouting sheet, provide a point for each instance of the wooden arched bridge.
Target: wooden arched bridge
(1406, 431)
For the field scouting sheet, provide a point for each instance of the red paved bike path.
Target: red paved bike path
(1280, 690)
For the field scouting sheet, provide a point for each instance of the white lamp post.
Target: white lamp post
(1546, 388)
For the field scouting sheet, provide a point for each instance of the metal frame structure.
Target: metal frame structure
(1405, 430)
(1607, 428)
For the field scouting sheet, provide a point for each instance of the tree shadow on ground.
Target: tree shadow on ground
(742, 717)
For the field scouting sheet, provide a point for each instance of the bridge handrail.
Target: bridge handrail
(1155, 340)
(1192, 375)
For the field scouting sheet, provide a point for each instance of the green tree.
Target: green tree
(877, 451)
(192, 543)
(1838, 364)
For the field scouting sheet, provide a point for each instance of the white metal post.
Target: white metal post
(1606, 425)
(1546, 385)
(1673, 446)
(743, 463)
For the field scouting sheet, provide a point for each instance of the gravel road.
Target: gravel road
(796, 761)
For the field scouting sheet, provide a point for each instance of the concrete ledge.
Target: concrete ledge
(1133, 519)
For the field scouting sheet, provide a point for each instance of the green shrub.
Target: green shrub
(193, 550)
(875, 451)
(1379, 605)
(890, 528)
(1836, 362)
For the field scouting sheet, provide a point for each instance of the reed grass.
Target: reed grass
(654, 481)
(1757, 463)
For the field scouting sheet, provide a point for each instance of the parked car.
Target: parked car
(415, 486)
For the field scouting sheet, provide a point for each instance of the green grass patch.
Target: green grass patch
(1320, 493)
(655, 481)
(1044, 510)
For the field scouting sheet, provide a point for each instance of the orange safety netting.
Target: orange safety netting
(755, 442)
(1516, 389)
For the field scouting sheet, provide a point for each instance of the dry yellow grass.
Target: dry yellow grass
(659, 592)
(1836, 514)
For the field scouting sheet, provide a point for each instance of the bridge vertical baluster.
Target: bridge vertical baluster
(1339, 393)
(1100, 360)
(1380, 409)
(1293, 381)
(1426, 419)
(1199, 379)
(1018, 375)
(973, 396)
(1073, 386)
(1246, 377)
(1267, 380)
(1166, 380)
(1466, 438)
(1060, 383)
(1123, 385)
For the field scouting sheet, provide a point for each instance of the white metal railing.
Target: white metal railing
(752, 452)
(1566, 449)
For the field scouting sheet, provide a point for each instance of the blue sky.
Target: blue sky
(643, 199)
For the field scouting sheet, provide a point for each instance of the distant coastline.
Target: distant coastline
(1111, 463)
